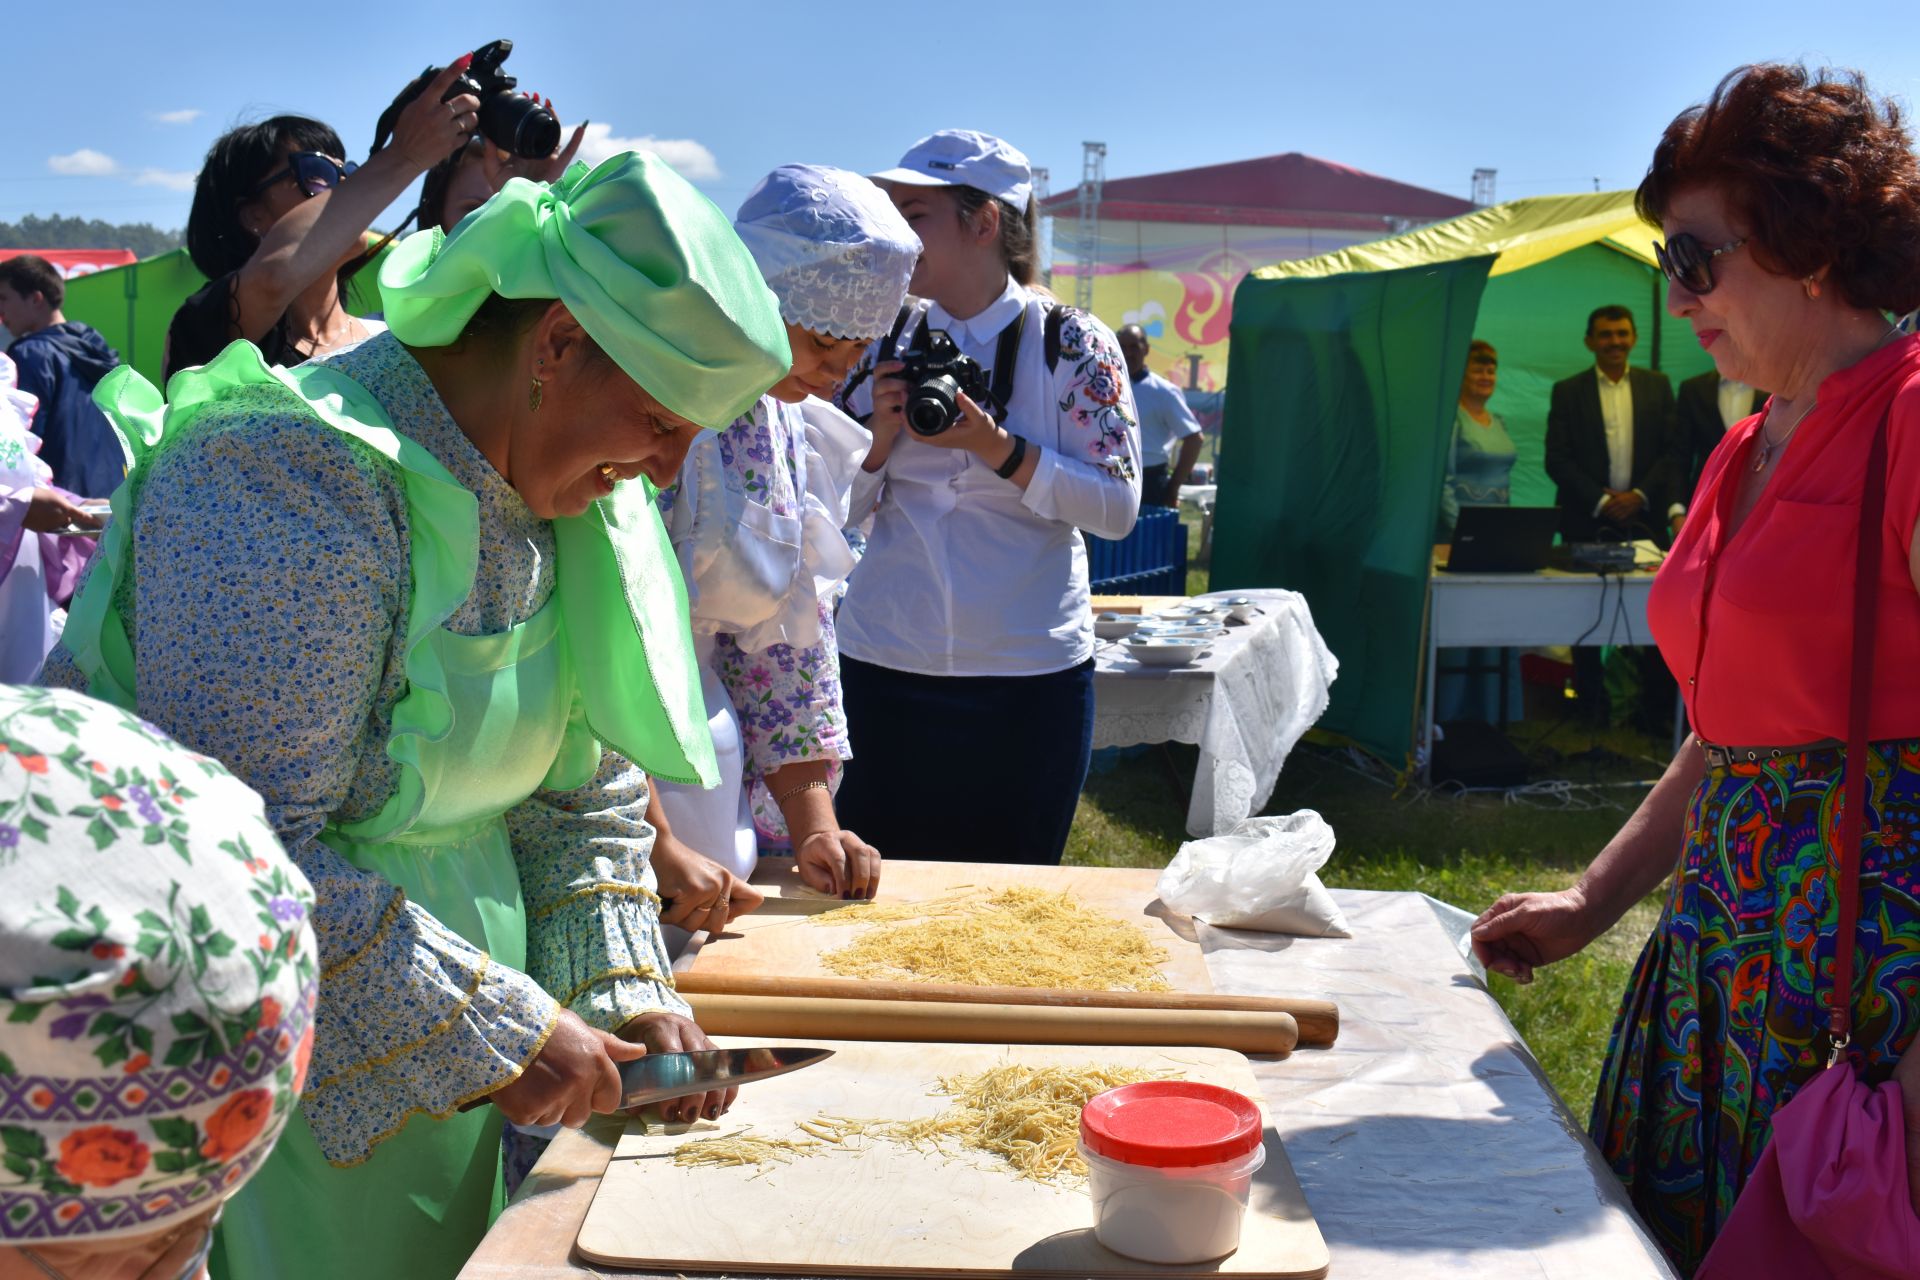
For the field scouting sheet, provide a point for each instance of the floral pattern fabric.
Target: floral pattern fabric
(1723, 1019)
(158, 977)
(268, 605)
(785, 697)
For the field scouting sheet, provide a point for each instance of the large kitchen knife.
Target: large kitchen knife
(660, 1076)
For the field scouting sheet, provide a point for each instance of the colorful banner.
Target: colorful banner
(77, 262)
(1176, 281)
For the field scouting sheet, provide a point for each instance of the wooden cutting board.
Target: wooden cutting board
(890, 1209)
(778, 940)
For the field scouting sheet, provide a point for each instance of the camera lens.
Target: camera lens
(933, 406)
(520, 125)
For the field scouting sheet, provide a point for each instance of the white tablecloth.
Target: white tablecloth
(1426, 1139)
(1245, 706)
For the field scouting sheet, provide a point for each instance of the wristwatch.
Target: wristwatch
(1006, 469)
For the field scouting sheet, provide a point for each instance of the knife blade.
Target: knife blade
(660, 1076)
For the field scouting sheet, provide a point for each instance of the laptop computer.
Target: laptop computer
(1502, 539)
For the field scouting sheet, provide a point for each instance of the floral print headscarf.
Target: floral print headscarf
(157, 974)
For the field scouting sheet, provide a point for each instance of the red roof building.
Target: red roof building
(1173, 246)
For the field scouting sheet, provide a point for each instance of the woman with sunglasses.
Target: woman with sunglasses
(1791, 209)
(279, 221)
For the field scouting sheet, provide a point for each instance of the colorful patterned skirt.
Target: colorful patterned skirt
(1724, 1017)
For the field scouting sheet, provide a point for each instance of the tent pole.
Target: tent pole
(1658, 306)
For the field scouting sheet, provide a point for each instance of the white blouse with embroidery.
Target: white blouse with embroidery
(965, 574)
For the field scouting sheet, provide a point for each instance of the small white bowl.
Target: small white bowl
(1167, 651)
(1189, 630)
(1240, 608)
(1116, 626)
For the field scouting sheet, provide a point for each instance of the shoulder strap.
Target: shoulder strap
(1853, 794)
(1006, 357)
(892, 340)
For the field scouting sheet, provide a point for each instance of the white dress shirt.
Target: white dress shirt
(1616, 412)
(965, 574)
(1736, 402)
(1164, 418)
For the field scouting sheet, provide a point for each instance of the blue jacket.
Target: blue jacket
(61, 364)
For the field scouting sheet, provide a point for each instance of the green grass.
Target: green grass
(1466, 851)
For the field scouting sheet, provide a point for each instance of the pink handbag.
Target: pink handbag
(1829, 1196)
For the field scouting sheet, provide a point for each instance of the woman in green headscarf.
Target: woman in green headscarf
(417, 595)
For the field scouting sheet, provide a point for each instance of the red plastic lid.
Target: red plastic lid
(1170, 1124)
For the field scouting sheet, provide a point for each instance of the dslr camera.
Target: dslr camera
(507, 120)
(937, 373)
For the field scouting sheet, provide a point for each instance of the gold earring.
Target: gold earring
(533, 395)
(1812, 287)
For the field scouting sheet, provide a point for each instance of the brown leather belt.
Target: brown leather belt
(1726, 757)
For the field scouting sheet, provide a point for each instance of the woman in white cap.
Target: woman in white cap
(966, 637)
(157, 982)
(757, 519)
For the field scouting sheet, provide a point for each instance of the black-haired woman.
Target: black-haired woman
(966, 636)
(279, 217)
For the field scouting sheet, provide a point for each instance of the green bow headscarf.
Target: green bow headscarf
(649, 267)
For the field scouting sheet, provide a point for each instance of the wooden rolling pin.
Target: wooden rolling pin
(1318, 1020)
(802, 1017)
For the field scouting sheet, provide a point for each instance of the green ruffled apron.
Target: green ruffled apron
(486, 720)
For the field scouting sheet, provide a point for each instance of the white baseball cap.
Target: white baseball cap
(963, 158)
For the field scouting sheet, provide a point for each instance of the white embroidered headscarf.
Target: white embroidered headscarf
(157, 974)
(832, 247)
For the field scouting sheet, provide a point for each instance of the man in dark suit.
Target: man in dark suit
(1614, 448)
(1613, 440)
(1709, 405)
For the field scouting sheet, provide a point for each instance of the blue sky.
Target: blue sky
(111, 107)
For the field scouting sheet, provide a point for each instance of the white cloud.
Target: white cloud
(87, 163)
(84, 163)
(186, 115)
(171, 179)
(690, 159)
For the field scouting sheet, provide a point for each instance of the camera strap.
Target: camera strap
(1006, 355)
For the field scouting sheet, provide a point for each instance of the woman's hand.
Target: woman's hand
(50, 510)
(574, 1075)
(671, 1033)
(835, 861)
(1524, 931)
(429, 130)
(889, 415)
(695, 891)
(976, 432)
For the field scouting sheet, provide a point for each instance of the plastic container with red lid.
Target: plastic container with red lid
(1170, 1165)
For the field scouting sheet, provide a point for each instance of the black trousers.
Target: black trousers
(1153, 485)
(965, 768)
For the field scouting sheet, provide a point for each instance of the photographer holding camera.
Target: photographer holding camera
(1003, 425)
(280, 219)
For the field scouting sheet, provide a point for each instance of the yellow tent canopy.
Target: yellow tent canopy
(1519, 233)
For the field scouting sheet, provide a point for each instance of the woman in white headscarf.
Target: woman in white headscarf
(158, 973)
(756, 518)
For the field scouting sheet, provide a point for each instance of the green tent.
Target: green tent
(132, 306)
(1343, 376)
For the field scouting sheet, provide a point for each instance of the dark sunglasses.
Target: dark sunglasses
(1686, 262)
(314, 172)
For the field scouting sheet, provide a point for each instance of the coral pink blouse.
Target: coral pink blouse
(1765, 659)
